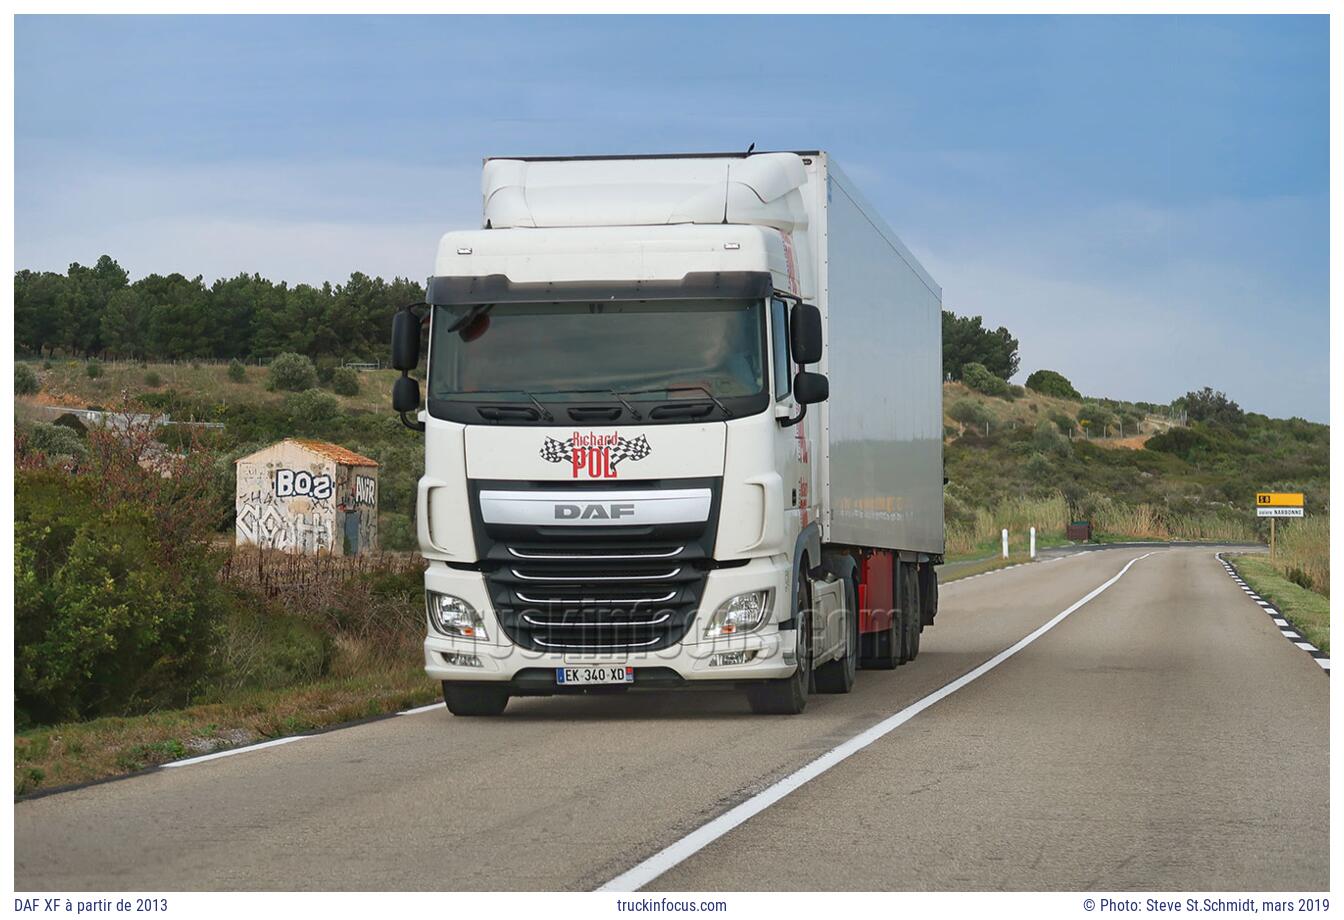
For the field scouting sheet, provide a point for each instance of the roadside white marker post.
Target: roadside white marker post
(1033, 543)
(1005, 542)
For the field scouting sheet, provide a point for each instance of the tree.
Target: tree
(965, 341)
(35, 298)
(125, 324)
(1212, 406)
(1052, 383)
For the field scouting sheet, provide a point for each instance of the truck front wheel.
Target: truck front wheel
(474, 701)
(788, 697)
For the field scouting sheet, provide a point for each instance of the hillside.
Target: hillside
(1161, 479)
(1011, 461)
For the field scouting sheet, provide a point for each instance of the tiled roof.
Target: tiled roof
(335, 452)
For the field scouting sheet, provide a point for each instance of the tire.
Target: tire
(911, 612)
(838, 676)
(474, 701)
(788, 696)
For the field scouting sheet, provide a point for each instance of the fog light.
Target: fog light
(726, 658)
(461, 660)
(453, 616)
(739, 614)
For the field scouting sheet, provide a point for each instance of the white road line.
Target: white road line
(419, 709)
(231, 751)
(640, 875)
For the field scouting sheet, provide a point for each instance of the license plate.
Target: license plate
(595, 674)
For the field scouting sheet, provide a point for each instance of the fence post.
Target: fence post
(1033, 543)
(1005, 542)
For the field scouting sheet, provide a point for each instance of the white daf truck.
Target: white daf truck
(683, 429)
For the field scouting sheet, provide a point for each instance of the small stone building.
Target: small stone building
(306, 496)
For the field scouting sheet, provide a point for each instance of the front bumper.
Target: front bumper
(691, 662)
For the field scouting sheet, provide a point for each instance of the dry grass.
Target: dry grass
(1302, 552)
(67, 384)
(1048, 515)
(1029, 410)
(85, 751)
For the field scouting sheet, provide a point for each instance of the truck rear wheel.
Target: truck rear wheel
(788, 696)
(838, 676)
(474, 701)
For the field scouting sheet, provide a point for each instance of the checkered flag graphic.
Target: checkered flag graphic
(637, 449)
(555, 451)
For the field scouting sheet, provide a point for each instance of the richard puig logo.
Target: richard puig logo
(593, 455)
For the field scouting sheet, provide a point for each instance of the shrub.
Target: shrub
(1186, 443)
(1095, 417)
(104, 623)
(152, 379)
(292, 372)
(237, 373)
(345, 381)
(56, 441)
(325, 368)
(1047, 439)
(93, 370)
(970, 412)
(1052, 383)
(46, 364)
(1016, 391)
(311, 406)
(25, 380)
(1063, 422)
(978, 377)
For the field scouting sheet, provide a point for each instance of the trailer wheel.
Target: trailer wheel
(788, 696)
(838, 676)
(911, 614)
(474, 701)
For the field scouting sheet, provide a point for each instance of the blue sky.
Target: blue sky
(1143, 201)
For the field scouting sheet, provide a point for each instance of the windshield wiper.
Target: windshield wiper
(634, 413)
(727, 413)
(545, 413)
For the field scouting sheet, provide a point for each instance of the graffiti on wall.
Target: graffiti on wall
(289, 483)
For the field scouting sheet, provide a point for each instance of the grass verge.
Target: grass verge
(80, 752)
(962, 570)
(1308, 611)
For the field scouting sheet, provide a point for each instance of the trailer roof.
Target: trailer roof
(738, 154)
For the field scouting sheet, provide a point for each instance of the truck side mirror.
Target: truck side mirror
(405, 341)
(805, 334)
(809, 388)
(405, 394)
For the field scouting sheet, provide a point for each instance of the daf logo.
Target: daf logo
(611, 512)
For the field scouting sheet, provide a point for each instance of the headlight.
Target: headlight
(453, 616)
(739, 614)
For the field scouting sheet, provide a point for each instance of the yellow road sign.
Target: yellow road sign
(1279, 500)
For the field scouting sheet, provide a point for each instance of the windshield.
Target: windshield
(644, 350)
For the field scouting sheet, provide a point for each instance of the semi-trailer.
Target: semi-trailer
(683, 428)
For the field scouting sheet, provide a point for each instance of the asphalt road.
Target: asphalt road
(1162, 736)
